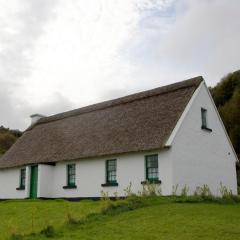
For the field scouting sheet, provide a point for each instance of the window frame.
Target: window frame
(70, 184)
(22, 179)
(109, 172)
(110, 183)
(204, 119)
(156, 179)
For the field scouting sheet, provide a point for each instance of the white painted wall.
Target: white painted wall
(9, 181)
(90, 174)
(201, 157)
(45, 180)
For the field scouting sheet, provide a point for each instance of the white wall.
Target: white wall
(90, 174)
(45, 180)
(9, 181)
(201, 157)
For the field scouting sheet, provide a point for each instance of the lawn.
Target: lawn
(158, 220)
(26, 216)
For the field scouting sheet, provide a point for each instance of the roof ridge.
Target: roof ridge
(121, 100)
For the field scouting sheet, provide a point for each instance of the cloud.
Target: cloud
(59, 55)
(21, 24)
(201, 39)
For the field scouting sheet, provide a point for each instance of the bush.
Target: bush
(130, 203)
(49, 231)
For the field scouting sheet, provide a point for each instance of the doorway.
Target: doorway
(33, 182)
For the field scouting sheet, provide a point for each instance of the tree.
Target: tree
(226, 95)
(7, 138)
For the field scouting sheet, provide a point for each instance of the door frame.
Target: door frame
(33, 191)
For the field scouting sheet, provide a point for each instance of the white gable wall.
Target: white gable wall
(201, 157)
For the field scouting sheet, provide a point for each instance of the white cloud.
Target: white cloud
(58, 55)
(204, 40)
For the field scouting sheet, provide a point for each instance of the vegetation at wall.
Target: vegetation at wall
(7, 138)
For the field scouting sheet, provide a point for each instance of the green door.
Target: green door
(34, 181)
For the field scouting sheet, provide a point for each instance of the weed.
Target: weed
(203, 192)
(225, 193)
(104, 196)
(150, 189)
(174, 189)
(185, 191)
(128, 190)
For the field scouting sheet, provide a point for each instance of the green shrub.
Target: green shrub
(49, 231)
(111, 208)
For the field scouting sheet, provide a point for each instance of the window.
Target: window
(111, 171)
(204, 120)
(204, 117)
(152, 168)
(22, 178)
(71, 175)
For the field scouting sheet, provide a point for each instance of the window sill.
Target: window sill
(113, 184)
(20, 188)
(69, 187)
(206, 129)
(151, 181)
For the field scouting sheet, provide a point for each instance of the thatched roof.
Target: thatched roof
(138, 122)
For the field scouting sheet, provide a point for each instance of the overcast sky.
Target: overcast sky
(58, 55)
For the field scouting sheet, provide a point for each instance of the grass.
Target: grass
(26, 216)
(152, 218)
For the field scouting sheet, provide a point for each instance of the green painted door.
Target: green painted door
(34, 182)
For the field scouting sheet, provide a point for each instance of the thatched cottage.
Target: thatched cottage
(170, 136)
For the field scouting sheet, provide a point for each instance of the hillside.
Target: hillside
(157, 218)
(7, 138)
(226, 95)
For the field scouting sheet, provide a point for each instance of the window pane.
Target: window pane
(111, 170)
(22, 177)
(152, 167)
(204, 117)
(71, 174)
